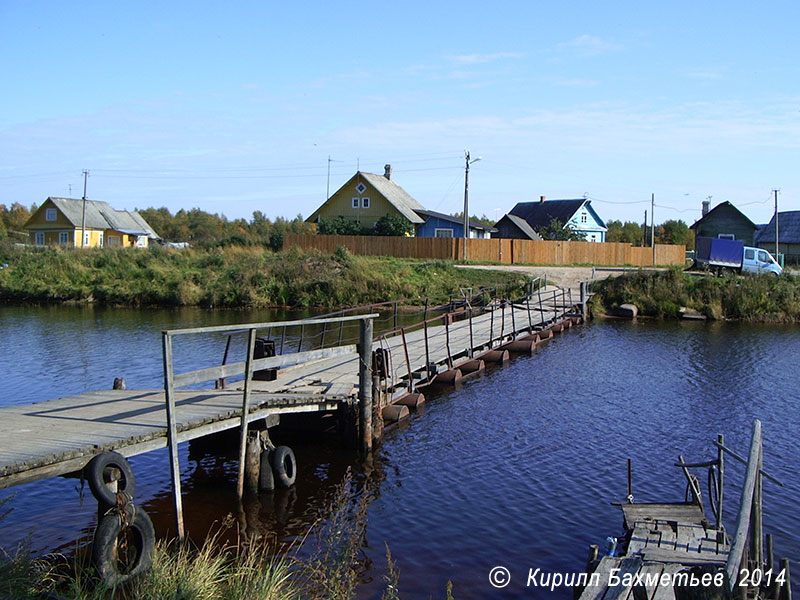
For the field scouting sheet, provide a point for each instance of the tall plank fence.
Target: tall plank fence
(495, 250)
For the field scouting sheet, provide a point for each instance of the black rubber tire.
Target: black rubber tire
(141, 539)
(284, 466)
(266, 479)
(97, 472)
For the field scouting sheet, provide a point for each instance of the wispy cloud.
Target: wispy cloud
(704, 74)
(588, 45)
(482, 59)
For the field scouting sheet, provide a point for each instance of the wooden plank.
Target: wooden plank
(603, 572)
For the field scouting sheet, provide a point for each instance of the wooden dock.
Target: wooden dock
(60, 437)
(673, 551)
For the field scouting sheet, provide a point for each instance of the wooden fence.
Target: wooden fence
(495, 250)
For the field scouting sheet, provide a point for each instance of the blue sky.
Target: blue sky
(236, 107)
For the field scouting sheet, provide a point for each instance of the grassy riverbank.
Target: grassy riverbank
(761, 299)
(332, 568)
(232, 277)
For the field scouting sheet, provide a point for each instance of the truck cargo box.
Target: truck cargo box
(717, 252)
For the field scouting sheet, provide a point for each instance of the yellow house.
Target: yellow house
(367, 197)
(61, 221)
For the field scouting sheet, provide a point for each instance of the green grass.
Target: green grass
(762, 299)
(232, 277)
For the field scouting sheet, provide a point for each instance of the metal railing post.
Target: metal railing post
(248, 378)
(172, 433)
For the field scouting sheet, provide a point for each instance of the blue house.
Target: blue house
(577, 214)
(441, 225)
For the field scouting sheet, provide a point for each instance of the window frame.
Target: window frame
(365, 202)
(50, 214)
(438, 230)
(63, 238)
(38, 238)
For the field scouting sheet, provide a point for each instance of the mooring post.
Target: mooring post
(365, 382)
(583, 300)
(248, 379)
(720, 478)
(172, 433)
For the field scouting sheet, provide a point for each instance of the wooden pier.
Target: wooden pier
(673, 551)
(321, 365)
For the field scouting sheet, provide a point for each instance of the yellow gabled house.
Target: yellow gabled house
(367, 197)
(88, 224)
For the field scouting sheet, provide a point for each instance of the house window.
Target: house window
(726, 236)
(365, 203)
(114, 241)
(100, 239)
(63, 237)
(443, 232)
(38, 238)
(50, 214)
(86, 240)
(141, 241)
(584, 218)
(355, 202)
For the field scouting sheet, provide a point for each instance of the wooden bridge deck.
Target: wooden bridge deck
(58, 437)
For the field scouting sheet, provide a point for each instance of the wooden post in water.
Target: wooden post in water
(365, 383)
(786, 588)
(172, 433)
(248, 378)
(736, 555)
(721, 478)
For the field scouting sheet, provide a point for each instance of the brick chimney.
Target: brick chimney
(387, 171)
(705, 207)
(542, 199)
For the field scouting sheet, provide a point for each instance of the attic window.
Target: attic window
(50, 214)
(355, 202)
(361, 188)
(365, 203)
(584, 218)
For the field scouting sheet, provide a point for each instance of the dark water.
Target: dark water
(515, 469)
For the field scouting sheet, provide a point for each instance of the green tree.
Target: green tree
(675, 232)
(627, 232)
(393, 225)
(556, 230)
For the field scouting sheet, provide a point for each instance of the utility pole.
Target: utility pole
(328, 189)
(644, 229)
(466, 200)
(653, 225)
(83, 212)
(776, 223)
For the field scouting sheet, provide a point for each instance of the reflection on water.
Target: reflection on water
(516, 468)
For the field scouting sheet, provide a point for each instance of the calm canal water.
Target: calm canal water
(515, 469)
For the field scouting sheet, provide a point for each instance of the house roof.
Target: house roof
(522, 225)
(396, 195)
(719, 207)
(539, 214)
(788, 229)
(452, 219)
(100, 215)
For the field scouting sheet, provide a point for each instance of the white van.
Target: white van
(756, 260)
